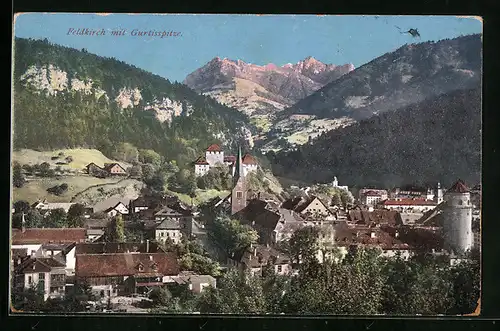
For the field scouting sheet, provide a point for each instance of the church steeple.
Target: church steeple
(238, 172)
(239, 191)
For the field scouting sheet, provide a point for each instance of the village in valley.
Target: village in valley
(180, 246)
(334, 173)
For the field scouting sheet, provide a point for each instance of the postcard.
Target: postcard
(246, 164)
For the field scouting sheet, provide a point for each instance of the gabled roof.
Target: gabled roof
(91, 223)
(299, 204)
(248, 159)
(39, 264)
(49, 235)
(169, 224)
(377, 216)
(110, 203)
(458, 187)
(126, 264)
(201, 160)
(108, 166)
(213, 148)
(92, 164)
(258, 255)
(171, 211)
(64, 247)
(115, 206)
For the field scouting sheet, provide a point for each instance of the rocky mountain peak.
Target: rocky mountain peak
(262, 88)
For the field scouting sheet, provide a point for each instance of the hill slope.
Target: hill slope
(66, 98)
(411, 74)
(435, 140)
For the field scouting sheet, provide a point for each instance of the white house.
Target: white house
(169, 228)
(372, 196)
(119, 208)
(49, 273)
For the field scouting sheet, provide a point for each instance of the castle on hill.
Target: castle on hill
(214, 155)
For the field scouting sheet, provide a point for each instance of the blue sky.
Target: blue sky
(277, 39)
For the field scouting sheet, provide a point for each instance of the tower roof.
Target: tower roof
(458, 187)
(213, 148)
(238, 167)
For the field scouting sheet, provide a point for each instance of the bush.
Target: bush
(58, 189)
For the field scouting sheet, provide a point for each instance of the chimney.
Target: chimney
(396, 234)
(255, 251)
(147, 246)
(372, 234)
(151, 258)
(19, 261)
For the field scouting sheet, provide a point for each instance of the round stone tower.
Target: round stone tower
(457, 219)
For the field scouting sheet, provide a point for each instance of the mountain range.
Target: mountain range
(411, 74)
(66, 98)
(262, 90)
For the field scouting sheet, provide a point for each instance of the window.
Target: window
(239, 195)
(280, 268)
(30, 279)
(168, 234)
(161, 234)
(41, 276)
(460, 202)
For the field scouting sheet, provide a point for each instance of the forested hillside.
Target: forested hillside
(66, 98)
(435, 140)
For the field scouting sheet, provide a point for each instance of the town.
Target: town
(135, 255)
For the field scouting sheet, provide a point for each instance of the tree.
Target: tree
(115, 231)
(304, 244)
(34, 219)
(21, 206)
(149, 156)
(233, 235)
(135, 171)
(336, 200)
(126, 152)
(236, 293)
(157, 183)
(55, 219)
(76, 210)
(465, 277)
(28, 299)
(148, 171)
(200, 264)
(18, 179)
